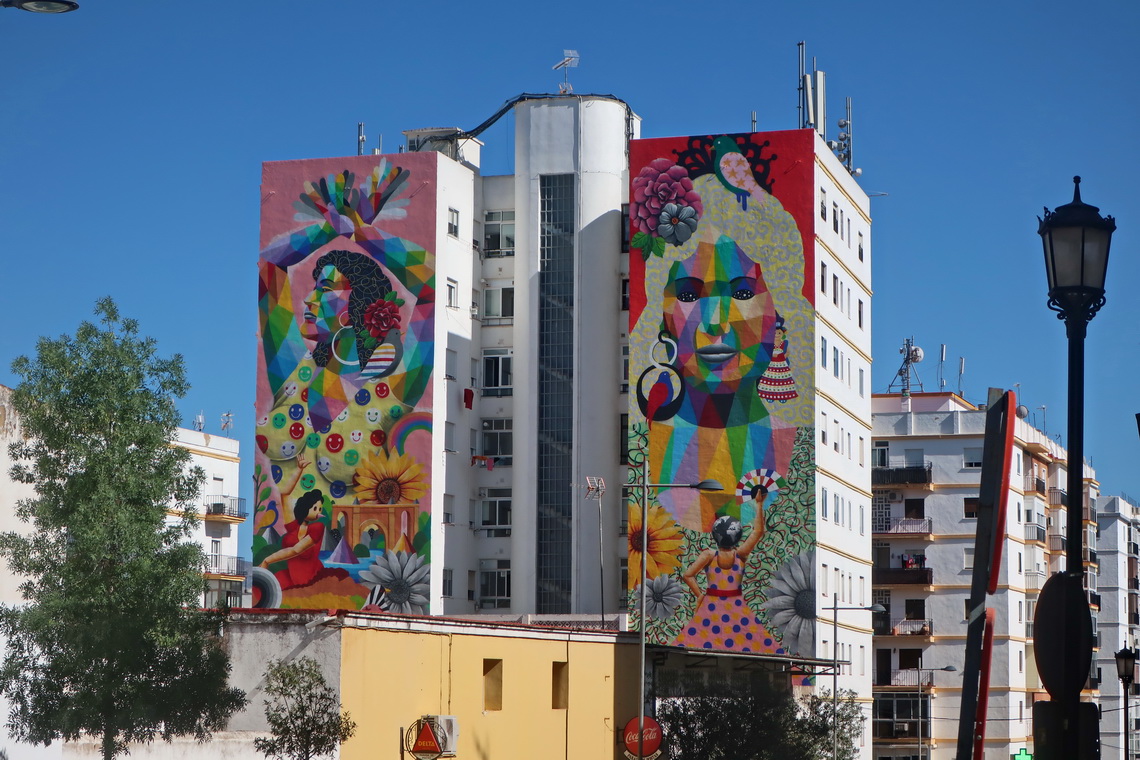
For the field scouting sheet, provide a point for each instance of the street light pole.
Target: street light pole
(921, 693)
(1126, 669)
(704, 485)
(595, 489)
(835, 610)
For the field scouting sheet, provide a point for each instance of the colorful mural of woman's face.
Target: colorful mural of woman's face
(326, 307)
(718, 309)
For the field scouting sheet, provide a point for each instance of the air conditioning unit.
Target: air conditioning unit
(902, 729)
(446, 729)
(894, 496)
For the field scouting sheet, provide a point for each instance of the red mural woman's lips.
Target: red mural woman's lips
(717, 353)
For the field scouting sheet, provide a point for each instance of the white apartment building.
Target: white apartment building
(1118, 556)
(927, 457)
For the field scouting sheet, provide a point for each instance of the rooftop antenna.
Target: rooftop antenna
(941, 364)
(200, 422)
(360, 138)
(379, 149)
(842, 146)
(961, 371)
(1044, 427)
(753, 121)
(569, 61)
(912, 355)
(227, 421)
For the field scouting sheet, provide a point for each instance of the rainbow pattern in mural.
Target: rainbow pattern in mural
(722, 349)
(347, 320)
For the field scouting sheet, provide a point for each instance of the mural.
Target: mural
(722, 345)
(347, 310)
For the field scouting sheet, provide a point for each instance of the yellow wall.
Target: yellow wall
(391, 678)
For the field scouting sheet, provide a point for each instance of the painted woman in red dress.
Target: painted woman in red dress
(301, 545)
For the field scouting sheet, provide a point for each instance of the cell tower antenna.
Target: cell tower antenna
(227, 421)
(200, 422)
(908, 373)
(360, 140)
(941, 364)
(569, 61)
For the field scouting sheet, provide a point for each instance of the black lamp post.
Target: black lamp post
(1076, 240)
(1125, 669)
(41, 6)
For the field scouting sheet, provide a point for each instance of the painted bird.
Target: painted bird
(734, 171)
(659, 395)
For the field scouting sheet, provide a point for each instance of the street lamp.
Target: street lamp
(1126, 669)
(921, 670)
(41, 6)
(595, 489)
(1076, 240)
(835, 610)
(704, 485)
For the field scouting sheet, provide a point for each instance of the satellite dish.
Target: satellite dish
(916, 354)
(1022, 411)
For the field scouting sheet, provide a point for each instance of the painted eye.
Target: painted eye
(687, 296)
(743, 294)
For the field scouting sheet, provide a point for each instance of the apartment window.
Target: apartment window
(841, 220)
(625, 294)
(823, 204)
(823, 428)
(625, 228)
(495, 513)
(452, 293)
(497, 375)
(970, 507)
(448, 581)
(453, 222)
(451, 364)
(494, 583)
(835, 365)
(498, 441)
(492, 684)
(824, 504)
(835, 289)
(623, 439)
(861, 381)
(623, 588)
(1020, 661)
(860, 246)
(835, 217)
(862, 450)
(559, 685)
(498, 304)
(972, 458)
(968, 564)
(822, 277)
(449, 436)
(499, 233)
(823, 352)
(625, 369)
(862, 517)
(823, 573)
(859, 311)
(835, 508)
(879, 453)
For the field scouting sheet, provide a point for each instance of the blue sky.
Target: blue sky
(132, 133)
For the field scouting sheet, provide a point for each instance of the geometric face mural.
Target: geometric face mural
(347, 314)
(722, 347)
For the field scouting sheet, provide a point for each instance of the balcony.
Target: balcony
(1034, 532)
(226, 508)
(223, 564)
(1134, 618)
(1034, 485)
(909, 677)
(1058, 497)
(1034, 580)
(1133, 547)
(906, 526)
(1134, 583)
(1090, 556)
(891, 576)
(908, 475)
(1028, 629)
(910, 628)
(1057, 542)
(1094, 599)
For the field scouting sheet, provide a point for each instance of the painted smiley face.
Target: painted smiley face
(262, 443)
(312, 440)
(263, 420)
(356, 436)
(290, 388)
(308, 480)
(296, 412)
(382, 390)
(351, 457)
(372, 415)
(342, 416)
(288, 449)
(306, 374)
(297, 431)
(378, 437)
(334, 442)
(279, 420)
(337, 489)
(324, 464)
(362, 397)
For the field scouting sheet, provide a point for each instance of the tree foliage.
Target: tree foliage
(110, 641)
(761, 724)
(304, 713)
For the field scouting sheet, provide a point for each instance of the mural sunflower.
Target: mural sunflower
(664, 537)
(389, 479)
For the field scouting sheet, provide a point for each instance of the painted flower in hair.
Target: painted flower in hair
(384, 478)
(660, 183)
(677, 223)
(791, 604)
(664, 540)
(400, 582)
(662, 596)
(381, 316)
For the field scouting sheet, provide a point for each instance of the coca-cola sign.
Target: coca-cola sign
(650, 742)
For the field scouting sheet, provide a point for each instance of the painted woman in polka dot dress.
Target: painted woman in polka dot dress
(723, 620)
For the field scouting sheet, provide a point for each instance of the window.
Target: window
(559, 685)
(822, 277)
(862, 450)
(968, 564)
(861, 381)
(823, 575)
(835, 507)
(625, 369)
(835, 289)
(823, 204)
(824, 505)
(498, 233)
(452, 293)
(625, 294)
(972, 458)
(835, 361)
(497, 440)
(623, 439)
(970, 507)
(448, 581)
(498, 305)
(859, 309)
(494, 584)
(495, 513)
(451, 364)
(862, 517)
(823, 352)
(453, 222)
(497, 371)
(835, 217)
(823, 428)
(492, 684)
(860, 246)
(841, 225)
(625, 228)
(879, 451)
(1020, 661)
(449, 436)
(623, 588)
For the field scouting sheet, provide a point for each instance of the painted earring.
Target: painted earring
(339, 358)
(777, 383)
(660, 390)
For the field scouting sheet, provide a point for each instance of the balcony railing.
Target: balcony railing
(1058, 497)
(223, 564)
(912, 628)
(909, 677)
(902, 575)
(1134, 618)
(1090, 555)
(1034, 580)
(1034, 532)
(913, 474)
(1134, 583)
(1034, 485)
(908, 525)
(1133, 547)
(1028, 629)
(1057, 542)
(227, 506)
(1094, 598)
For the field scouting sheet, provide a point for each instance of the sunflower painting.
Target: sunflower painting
(664, 539)
(389, 479)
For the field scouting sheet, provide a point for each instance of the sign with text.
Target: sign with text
(650, 742)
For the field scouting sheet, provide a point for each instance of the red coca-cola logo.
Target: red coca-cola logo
(651, 739)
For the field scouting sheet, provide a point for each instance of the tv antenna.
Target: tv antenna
(227, 421)
(569, 61)
(908, 373)
(200, 422)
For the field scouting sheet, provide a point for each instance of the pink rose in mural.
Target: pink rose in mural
(380, 317)
(661, 182)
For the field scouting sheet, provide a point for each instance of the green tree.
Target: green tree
(110, 641)
(764, 723)
(304, 713)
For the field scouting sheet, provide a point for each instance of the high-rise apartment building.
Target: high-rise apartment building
(927, 457)
(1118, 591)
